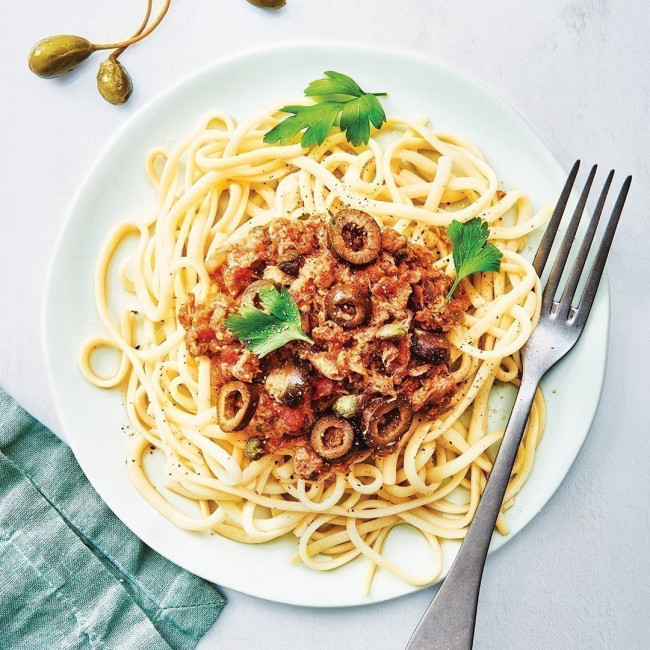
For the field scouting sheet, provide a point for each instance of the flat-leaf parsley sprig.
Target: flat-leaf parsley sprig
(339, 95)
(265, 331)
(471, 251)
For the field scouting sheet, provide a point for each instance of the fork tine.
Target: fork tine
(579, 264)
(567, 242)
(546, 244)
(583, 309)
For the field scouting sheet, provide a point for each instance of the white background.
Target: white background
(577, 577)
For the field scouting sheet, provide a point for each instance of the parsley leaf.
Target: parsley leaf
(357, 115)
(335, 83)
(471, 251)
(317, 119)
(264, 332)
(339, 95)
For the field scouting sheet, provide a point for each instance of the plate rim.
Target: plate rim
(47, 305)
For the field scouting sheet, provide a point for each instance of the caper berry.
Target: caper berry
(114, 82)
(392, 332)
(268, 4)
(254, 449)
(346, 406)
(57, 55)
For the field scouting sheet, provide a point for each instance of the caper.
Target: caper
(113, 81)
(346, 406)
(254, 449)
(57, 55)
(268, 4)
(392, 332)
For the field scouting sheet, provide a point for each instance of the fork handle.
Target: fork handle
(449, 620)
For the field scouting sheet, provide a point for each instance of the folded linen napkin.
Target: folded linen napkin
(72, 575)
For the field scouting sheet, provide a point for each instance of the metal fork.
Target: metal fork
(449, 620)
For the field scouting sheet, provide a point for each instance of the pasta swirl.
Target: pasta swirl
(213, 188)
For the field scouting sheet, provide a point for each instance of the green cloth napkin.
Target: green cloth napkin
(72, 575)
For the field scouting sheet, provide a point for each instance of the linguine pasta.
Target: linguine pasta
(212, 189)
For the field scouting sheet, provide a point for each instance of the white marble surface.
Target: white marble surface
(578, 71)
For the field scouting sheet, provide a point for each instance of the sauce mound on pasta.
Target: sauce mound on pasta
(375, 308)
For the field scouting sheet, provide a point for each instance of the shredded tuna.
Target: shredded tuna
(404, 287)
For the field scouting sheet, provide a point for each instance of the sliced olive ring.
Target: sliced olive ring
(288, 383)
(236, 404)
(385, 421)
(354, 237)
(348, 305)
(430, 347)
(331, 437)
(250, 294)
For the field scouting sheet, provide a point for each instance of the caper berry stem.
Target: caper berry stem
(137, 32)
(137, 37)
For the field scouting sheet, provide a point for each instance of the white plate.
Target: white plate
(116, 187)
